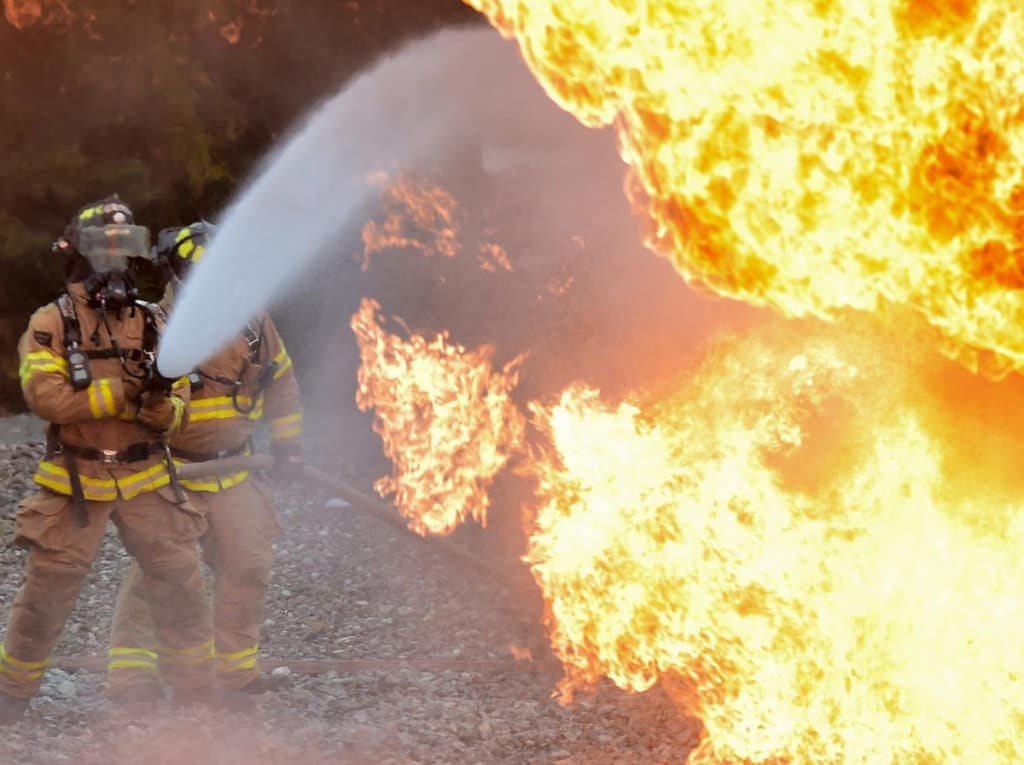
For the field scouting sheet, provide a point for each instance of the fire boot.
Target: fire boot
(243, 699)
(12, 709)
(263, 683)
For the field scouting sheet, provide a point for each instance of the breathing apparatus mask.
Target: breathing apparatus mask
(105, 237)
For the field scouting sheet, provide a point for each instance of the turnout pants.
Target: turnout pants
(238, 546)
(162, 538)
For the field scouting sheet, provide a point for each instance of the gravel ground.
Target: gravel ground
(346, 587)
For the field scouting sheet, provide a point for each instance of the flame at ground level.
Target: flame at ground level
(446, 417)
(801, 538)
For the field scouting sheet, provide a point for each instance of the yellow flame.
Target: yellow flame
(812, 155)
(803, 545)
(446, 417)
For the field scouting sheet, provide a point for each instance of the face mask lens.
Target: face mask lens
(109, 247)
(103, 263)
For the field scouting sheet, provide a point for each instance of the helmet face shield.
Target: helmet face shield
(108, 248)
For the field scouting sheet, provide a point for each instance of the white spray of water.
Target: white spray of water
(454, 89)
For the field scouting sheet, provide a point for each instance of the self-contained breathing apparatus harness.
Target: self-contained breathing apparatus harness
(254, 338)
(253, 335)
(80, 376)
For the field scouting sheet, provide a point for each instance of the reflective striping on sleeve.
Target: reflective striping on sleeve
(284, 363)
(107, 392)
(215, 408)
(223, 408)
(96, 407)
(179, 414)
(41, 362)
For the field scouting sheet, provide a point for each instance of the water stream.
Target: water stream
(457, 91)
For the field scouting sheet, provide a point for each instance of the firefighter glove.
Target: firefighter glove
(160, 411)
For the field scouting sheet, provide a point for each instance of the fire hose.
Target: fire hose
(357, 499)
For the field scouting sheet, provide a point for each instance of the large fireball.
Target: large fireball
(812, 155)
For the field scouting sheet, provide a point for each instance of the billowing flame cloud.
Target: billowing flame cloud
(787, 540)
(812, 155)
(446, 417)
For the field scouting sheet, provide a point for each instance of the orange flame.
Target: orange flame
(422, 216)
(789, 539)
(812, 155)
(493, 256)
(26, 13)
(446, 417)
(418, 214)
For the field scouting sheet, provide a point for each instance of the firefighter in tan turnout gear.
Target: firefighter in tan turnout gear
(87, 368)
(249, 380)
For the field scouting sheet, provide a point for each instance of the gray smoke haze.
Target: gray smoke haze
(454, 88)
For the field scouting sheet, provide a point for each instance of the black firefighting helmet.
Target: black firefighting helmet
(180, 247)
(104, 234)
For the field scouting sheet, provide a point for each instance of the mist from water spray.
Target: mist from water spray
(454, 92)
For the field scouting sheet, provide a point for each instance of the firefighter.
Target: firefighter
(87, 367)
(249, 380)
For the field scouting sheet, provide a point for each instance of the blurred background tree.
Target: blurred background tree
(167, 102)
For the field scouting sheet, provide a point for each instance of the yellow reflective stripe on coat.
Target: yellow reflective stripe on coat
(289, 426)
(21, 670)
(146, 480)
(56, 478)
(213, 485)
(223, 408)
(238, 661)
(284, 363)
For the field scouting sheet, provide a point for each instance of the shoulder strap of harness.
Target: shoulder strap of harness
(254, 339)
(150, 334)
(72, 327)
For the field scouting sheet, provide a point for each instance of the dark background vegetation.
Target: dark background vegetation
(170, 103)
